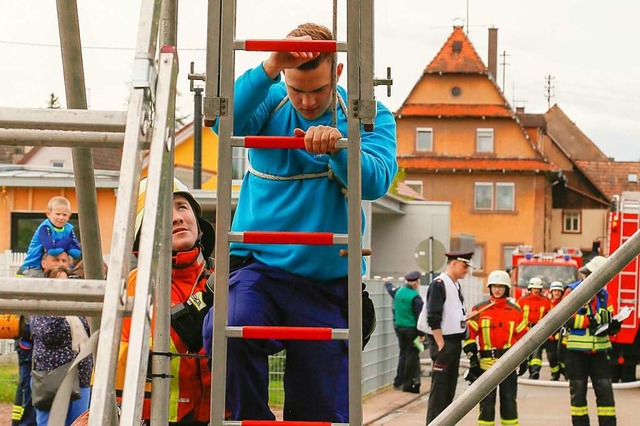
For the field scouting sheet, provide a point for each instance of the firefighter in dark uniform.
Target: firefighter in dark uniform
(407, 305)
(444, 320)
(495, 325)
(587, 354)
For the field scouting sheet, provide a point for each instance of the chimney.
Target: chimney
(520, 110)
(493, 53)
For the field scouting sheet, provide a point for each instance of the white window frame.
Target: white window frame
(478, 185)
(576, 222)
(416, 185)
(513, 196)
(484, 136)
(507, 252)
(424, 130)
(478, 258)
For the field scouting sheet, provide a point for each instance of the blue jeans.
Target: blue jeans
(76, 408)
(316, 372)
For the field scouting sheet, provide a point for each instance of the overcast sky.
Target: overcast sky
(587, 46)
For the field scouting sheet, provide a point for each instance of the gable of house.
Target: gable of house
(58, 156)
(570, 138)
(479, 157)
(456, 97)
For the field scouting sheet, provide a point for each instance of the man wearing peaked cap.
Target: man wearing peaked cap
(443, 318)
(413, 276)
(407, 305)
(461, 256)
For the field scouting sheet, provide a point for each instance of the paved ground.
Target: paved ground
(5, 414)
(537, 406)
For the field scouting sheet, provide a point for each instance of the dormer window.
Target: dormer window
(457, 46)
(484, 140)
(424, 139)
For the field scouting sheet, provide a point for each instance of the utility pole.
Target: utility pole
(504, 64)
(548, 88)
(197, 126)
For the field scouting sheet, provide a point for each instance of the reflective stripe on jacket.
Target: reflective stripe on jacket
(190, 382)
(498, 326)
(580, 328)
(534, 308)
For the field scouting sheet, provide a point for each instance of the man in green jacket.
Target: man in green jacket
(407, 305)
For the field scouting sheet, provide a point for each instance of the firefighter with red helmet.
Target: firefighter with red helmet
(534, 306)
(495, 326)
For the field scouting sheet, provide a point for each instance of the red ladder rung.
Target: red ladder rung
(277, 142)
(281, 422)
(323, 46)
(287, 333)
(309, 238)
(284, 142)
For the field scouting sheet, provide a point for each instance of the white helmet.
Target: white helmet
(556, 285)
(499, 278)
(595, 264)
(535, 282)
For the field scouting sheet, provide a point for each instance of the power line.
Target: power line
(128, 49)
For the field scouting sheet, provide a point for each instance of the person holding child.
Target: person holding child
(54, 235)
(57, 341)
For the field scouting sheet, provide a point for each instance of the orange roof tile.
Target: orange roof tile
(457, 110)
(474, 164)
(457, 56)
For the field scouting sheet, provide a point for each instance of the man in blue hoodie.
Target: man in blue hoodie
(298, 190)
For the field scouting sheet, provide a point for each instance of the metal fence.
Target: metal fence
(380, 357)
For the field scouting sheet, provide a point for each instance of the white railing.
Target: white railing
(10, 262)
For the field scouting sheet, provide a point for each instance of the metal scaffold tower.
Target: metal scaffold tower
(148, 124)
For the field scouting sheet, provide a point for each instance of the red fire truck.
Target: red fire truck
(624, 288)
(561, 265)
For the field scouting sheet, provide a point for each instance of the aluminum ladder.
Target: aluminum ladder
(218, 102)
(148, 124)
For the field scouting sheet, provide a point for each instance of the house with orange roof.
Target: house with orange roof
(460, 141)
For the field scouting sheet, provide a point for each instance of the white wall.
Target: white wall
(394, 237)
(45, 155)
